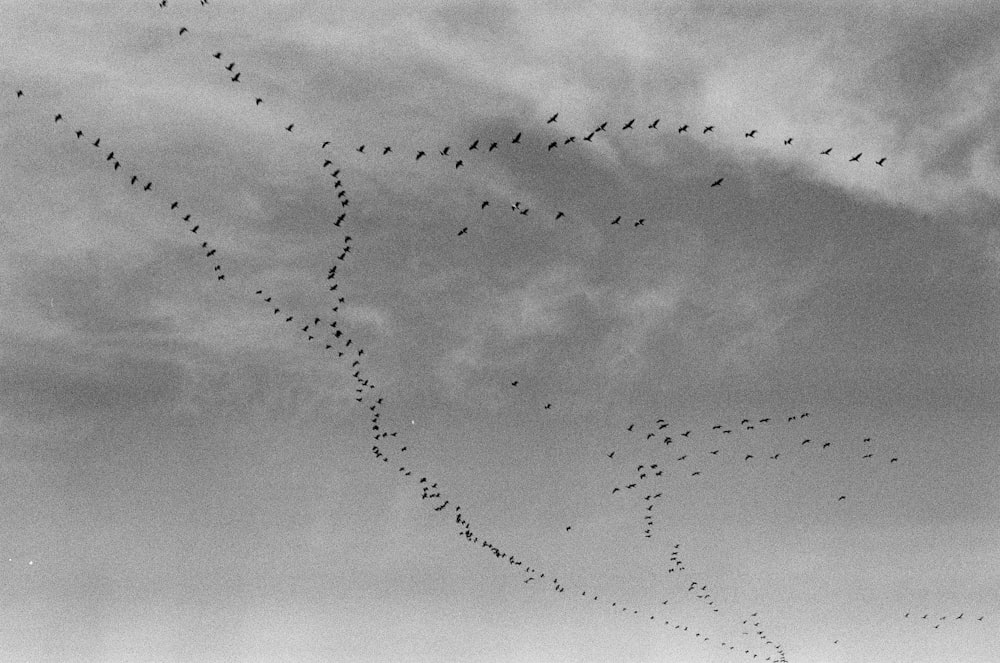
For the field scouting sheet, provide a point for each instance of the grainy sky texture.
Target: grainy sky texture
(187, 477)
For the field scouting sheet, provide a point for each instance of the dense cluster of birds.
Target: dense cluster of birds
(690, 452)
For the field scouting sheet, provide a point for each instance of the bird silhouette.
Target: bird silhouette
(827, 150)
(718, 182)
(552, 119)
(655, 122)
(552, 145)
(517, 139)
(236, 78)
(463, 231)
(617, 221)
(386, 150)
(183, 30)
(259, 101)
(856, 157)
(682, 129)
(880, 161)
(751, 133)
(628, 125)
(707, 129)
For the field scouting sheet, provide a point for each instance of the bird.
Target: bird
(485, 203)
(788, 141)
(229, 67)
(97, 143)
(611, 455)
(58, 116)
(638, 223)
(259, 101)
(655, 122)
(569, 140)
(517, 139)
(475, 145)
(386, 150)
(552, 119)
(463, 231)
(174, 204)
(183, 30)
(827, 150)
(135, 178)
(217, 55)
(459, 164)
(707, 129)
(548, 406)
(444, 152)
(628, 125)
(493, 146)
(748, 457)
(682, 129)
(325, 143)
(718, 182)
(880, 161)
(603, 127)
(552, 145)
(149, 185)
(20, 93)
(559, 215)
(856, 157)
(111, 155)
(617, 221)
(195, 229)
(589, 137)
(514, 383)
(751, 133)
(841, 498)
(236, 78)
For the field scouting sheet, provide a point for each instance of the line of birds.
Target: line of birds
(380, 434)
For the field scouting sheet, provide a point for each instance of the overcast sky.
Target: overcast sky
(188, 477)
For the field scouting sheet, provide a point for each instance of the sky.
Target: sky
(187, 476)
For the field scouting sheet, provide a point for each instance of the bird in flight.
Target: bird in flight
(463, 231)
(217, 55)
(559, 215)
(289, 127)
(628, 125)
(183, 30)
(827, 150)
(386, 150)
(880, 161)
(788, 141)
(552, 119)
(361, 149)
(682, 129)
(655, 122)
(236, 78)
(517, 138)
(707, 129)
(475, 145)
(856, 157)
(259, 101)
(718, 182)
(615, 223)
(420, 153)
(751, 133)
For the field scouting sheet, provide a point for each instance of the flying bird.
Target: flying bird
(552, 119)
(259, 101)
(718, 182)
(788, 141)
(655, 122)
(616, 221)
(682, 129)
(751, 133)
(827, 150)
(880, 161)
(217, 56)
(183, 30)
(856, 157)
(386, 150)
(58, 116)
(463, 231)
(475, 145)
(517, 138)
(236, 78)
(552, 145)
(628, 125)
(420, 153)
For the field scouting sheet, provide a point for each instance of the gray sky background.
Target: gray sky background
(186, 478)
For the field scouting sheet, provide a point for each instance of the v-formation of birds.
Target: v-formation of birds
(326, 331)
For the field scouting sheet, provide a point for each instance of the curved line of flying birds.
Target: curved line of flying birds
(327, 331)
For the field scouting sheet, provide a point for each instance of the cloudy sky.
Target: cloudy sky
(187, 477)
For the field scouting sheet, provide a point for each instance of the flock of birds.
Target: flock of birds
(680, 452)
